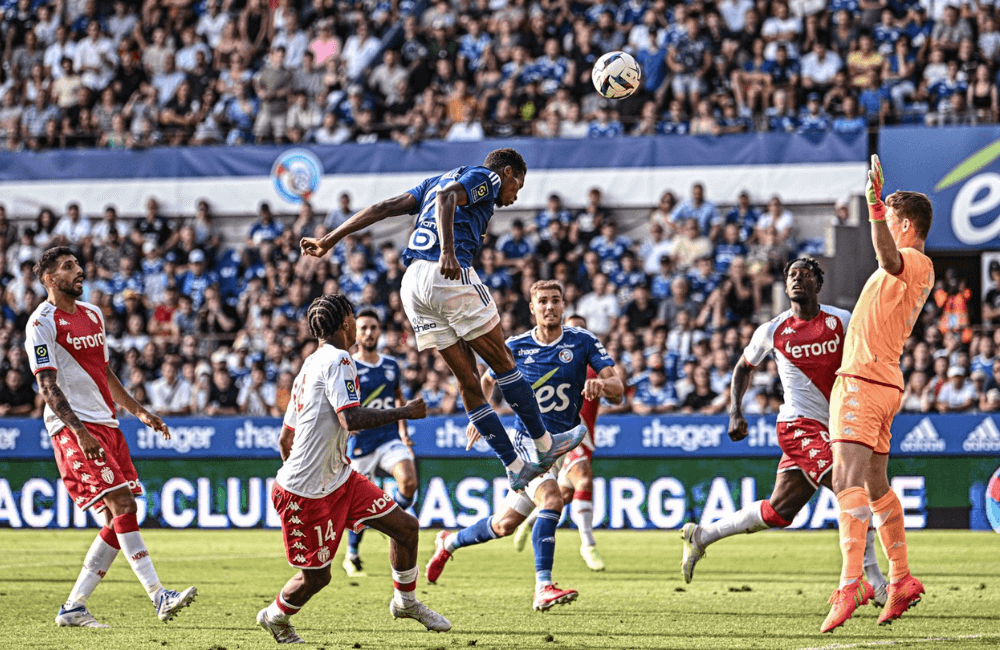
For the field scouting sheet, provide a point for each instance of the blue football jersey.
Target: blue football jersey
(471, 221)
(378, 386)
(557, 373)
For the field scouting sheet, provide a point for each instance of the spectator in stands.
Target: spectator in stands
(17, 397)
(654, 396)
(702, 399)
(73, 228)
(957, 394)
(915, 396)
(991, 297)
(599, 307)
(171, 393)
(701, 209)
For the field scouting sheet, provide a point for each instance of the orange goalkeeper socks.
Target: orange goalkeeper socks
(854, 516)
(887, 515)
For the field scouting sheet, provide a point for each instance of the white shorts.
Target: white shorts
(385, 457)
(443, 311)
(523, 502)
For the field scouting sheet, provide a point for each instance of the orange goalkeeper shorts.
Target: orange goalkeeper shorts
(862, 411)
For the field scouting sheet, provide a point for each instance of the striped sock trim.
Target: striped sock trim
(483, 411)
(551, 515)
(510, 377)
(286, 606)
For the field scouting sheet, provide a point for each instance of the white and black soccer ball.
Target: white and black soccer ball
(616, 75)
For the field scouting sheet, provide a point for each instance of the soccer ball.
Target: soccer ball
(616, 75)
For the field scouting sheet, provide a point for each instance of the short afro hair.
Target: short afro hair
(500, 158)
(810, 264)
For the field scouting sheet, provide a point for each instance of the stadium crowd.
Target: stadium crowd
(92, 73)
(198, 327)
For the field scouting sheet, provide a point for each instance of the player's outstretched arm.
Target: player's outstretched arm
(360, 418)
(121, 396)
(885, 247)
(394, 207)
(737, 389)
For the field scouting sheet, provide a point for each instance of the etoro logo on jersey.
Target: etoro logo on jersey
(84, 342)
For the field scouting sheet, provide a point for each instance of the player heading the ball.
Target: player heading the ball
(448, 306)
(318, 495)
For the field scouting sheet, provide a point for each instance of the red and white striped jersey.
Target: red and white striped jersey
(327, 384)
(808, 354)
(73, 345)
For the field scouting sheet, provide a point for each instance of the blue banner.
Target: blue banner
(389, 157)
(959, 169)
(444, 437)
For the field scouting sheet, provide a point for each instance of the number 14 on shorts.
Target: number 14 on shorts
(330, 534)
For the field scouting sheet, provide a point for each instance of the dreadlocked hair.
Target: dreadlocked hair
(327, 313)
(810, 264)
(500, 158)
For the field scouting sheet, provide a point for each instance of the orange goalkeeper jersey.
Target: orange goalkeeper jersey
(883, 318)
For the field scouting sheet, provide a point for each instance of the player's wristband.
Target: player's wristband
(876, 212)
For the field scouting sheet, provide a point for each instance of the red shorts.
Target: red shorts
(87, 481)
(806, 447)
(312, 528)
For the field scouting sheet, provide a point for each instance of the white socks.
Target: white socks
(95, 565)
(747, 520)
(135, 551)
(872, 570)
(405, 583)
(582, 513)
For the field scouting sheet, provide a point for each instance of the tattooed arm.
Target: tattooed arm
(57, 401)
(360, 418)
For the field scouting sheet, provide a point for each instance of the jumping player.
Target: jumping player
(575, 477)
(555, 359)
(807, 341)
(386, 447)
(451, 310)
(318, 495)
(868, 393)
(67, 352)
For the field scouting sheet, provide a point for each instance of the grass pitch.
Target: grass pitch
(767, 590)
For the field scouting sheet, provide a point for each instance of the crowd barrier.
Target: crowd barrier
(651, 472)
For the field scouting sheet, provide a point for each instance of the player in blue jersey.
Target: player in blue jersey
(451, 310)
(387, 447)
(554, 359)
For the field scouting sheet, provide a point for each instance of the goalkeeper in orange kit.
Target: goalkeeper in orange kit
(868, 393)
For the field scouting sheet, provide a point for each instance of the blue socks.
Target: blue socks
(403, 501)
(477, 533)
(517, 391)
(488, 424)
(543, 540)
(353, 541)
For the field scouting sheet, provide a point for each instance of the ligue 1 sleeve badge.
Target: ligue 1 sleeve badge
(296, 174)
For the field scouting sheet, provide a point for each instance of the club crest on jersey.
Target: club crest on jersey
(481, 190)
(42, 354)
(92, 316)
(390, 375)
(107, 475)
(323, 554)
(831, 322)
(565, 356)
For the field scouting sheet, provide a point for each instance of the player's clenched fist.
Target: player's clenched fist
(416, 409)
(450, 269)
(593, 389)
(737, 428)
(313, 246)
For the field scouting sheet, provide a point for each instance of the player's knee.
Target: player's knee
(407, 486)
(553, 501)
(121, 502)
(316, 579)
(505, 527)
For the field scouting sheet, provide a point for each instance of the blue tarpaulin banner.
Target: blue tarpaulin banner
(444, 437)
(959, 169)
